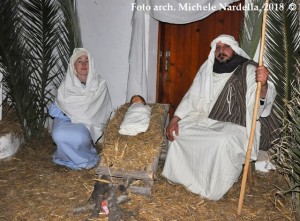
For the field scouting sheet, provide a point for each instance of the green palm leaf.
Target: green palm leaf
(290, 143)
(282, 53)
(280, 56)
(37, 39)
(282, 45)
(251, 32)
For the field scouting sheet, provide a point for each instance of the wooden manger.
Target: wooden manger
(133, 160)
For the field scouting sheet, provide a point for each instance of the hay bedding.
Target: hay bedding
(133, 152)
(33, 188)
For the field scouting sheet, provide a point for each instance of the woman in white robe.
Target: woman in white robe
(81, 110)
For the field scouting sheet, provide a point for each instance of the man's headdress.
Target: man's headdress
(202, 85)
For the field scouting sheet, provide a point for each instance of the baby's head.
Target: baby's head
(137, 99)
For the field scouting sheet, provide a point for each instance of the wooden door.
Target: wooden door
(183, 49)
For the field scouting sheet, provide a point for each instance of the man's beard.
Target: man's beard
(223, 58)
(229, 65)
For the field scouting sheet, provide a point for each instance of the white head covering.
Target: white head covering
(78, 52)
(90, 105)
(202, 84)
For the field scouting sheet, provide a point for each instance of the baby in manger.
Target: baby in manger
(137, 117)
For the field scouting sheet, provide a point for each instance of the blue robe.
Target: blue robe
(75, 148)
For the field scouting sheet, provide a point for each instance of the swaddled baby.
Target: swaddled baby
(137, 117)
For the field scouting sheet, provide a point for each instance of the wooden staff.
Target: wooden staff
(256, 105)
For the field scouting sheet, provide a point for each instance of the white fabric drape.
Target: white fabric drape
(177, 12)
(184, 11)
(137, 80)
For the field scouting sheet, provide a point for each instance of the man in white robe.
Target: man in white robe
(206, 155)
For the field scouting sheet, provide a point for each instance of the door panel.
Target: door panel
(189, 45)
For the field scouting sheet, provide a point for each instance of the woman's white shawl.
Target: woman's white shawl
(89, 105)
(136, 119)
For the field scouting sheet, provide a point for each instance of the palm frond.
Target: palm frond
(40, 20)
(282, 45)
(35, 45)
(71, 23)
(288, 150)
(13, 65)
(282, 54)
(251, 31)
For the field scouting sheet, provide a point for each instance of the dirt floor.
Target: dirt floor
(33, 188)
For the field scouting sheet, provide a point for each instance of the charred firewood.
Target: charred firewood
(98, 195)
(104, 199)
(114, 209)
